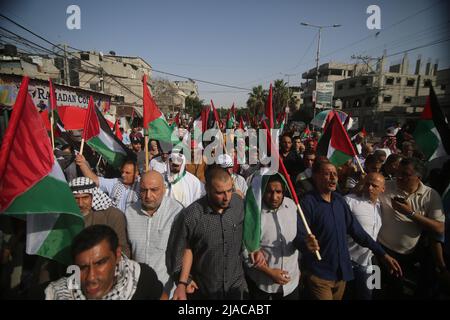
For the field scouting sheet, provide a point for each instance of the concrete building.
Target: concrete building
(328, 72)
(118, 76)
(381, 97)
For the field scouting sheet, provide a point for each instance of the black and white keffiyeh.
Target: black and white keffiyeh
(100, 200)
(126, 279)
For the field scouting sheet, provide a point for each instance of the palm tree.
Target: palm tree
(281, 95)
(257, 99)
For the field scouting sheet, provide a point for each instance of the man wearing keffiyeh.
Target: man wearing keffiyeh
(97, 208)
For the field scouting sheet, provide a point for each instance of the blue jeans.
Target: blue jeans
(362, 291)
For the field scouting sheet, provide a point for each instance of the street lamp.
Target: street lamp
(318, 52)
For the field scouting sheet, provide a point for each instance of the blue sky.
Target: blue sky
(239, 43)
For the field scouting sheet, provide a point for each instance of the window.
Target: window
(426, 83)
(340, 86)
(350, 73)
(398, 80)
(84, 56)
(356, 103)
(387, 99)
(407, 99)
(410, 82)
(389, 81)
(335, 72)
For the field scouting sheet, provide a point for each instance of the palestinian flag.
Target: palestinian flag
(155, 124)
(432, 134)
(231, 118)
(117, 130)
(100, 137)
(306, 134)
(335, 143)
(33, 186)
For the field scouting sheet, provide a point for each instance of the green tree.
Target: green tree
(193, 105)
(281, 96)
(257, 100)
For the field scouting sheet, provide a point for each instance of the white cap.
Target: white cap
(225, 161)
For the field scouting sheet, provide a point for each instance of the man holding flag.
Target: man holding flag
(331, 220)
(279, 278)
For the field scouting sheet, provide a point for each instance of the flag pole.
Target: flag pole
(82, 146)
(359, 164)
(292, 190)
(146, 153)
(52, 121)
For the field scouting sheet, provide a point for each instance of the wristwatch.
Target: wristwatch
(412, 214)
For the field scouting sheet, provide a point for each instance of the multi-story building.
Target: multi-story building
(379, 98)
(118, 76)
(328, 72)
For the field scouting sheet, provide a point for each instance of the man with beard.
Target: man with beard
(124, 191)
(182, 186)
(149, 222)
(330, 219)
(211, 229)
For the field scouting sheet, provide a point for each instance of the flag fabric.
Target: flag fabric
(269, 110)
(216, 116)
(348, 122)
(432, 134)
(117, 130)
(306, 134)
(33, 186)
(254, 195)
(58, 124)
(177, 119)
(364, 132)
(252, 212)
(99, 136)
(155, 124)
(281, 121)
(335, 143)
(241, 124)
(231, 118)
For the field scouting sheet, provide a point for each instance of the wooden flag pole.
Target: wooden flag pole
(292, 190)
(359, 164)
(52, 121)
(82, 146)
(146, 153)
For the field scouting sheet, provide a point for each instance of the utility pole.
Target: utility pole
(66, 67)
(318, 53)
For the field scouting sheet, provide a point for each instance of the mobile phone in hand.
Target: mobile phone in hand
(400, 199)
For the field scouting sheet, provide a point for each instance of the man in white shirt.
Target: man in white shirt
(410, 211)
(149, 222)
(279, 278)
(182, 185)
(366, 208)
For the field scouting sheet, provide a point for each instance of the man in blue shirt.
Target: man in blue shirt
(331, 220)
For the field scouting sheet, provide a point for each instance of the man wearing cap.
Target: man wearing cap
(97, 208)
(123, 191)
(239, 183)
(182, 185)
